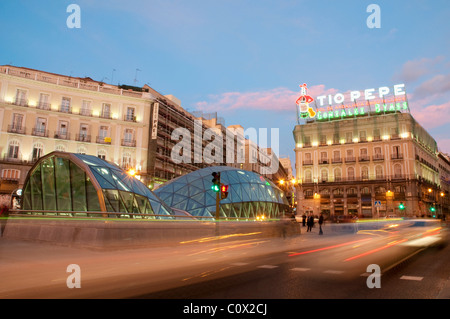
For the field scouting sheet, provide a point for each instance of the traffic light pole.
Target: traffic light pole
(217, 206)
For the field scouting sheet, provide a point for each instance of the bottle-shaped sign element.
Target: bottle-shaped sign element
(303, 101)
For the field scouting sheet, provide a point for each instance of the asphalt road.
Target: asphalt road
(309, 266)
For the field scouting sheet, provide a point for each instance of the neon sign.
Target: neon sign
(354, 103)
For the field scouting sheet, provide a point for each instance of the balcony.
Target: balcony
(324, 161)
(378, 157)
(364, 158)
(128, 142)
(106, 115)
(44, 106)
(336, 160)
(16, 129)
(21, 102)
(85, 112)
(62, 135)
(65, 109)
(39, 132)
(103, 140)
(83, 138)
(129, 118)
(308, 162)
(397, 156)
(350, 159)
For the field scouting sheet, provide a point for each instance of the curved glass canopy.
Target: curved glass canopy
(249, 194)
(63, 183)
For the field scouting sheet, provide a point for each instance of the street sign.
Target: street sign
(377, 203)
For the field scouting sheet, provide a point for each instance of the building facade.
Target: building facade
(369, 165)
(41, 112)
(133, 127)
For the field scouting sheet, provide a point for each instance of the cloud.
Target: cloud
(432, 116)
(413, 70)
(277, 99)
(433, 88)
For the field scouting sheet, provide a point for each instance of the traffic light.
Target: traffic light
(223, 191)
(401, 206)
(432, 209)
(216, 182)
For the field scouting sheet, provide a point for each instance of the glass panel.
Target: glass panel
(78, 181)
(127, 200)
(36, 188)
(63, 195)
(48, 184)
(93, 202)
(26, 202)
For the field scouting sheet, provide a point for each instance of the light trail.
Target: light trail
(377, 249)
(329, 247)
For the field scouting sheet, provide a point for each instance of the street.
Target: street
(309, 266)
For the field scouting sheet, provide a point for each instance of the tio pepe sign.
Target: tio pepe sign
(353, 103)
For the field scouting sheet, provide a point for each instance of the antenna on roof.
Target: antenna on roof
(135, 77)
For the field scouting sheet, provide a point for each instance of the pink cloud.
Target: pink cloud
(277, 99)
(414, 69)
(433, 115)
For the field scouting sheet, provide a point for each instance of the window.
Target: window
(348, 137)
(379, 172)
(101, 154)
(65, 105)
(86, 108)
(44, 101)
(126, 161)
(60, 148)
(377, 153)
(323, 139)
(38, 151)
(10, 174)
(62, 131)
(336, 138)
(350, 173)
(17, 122)
(365, 173)
(324, 175)
(376, 134)
(337, 174)
(308, 176)
(130, 114)
(106, 110)
(307, 140)
(362, 136)
(13, 150)
(336, 155)
(128, 135)
(21, 97)
(397, 171)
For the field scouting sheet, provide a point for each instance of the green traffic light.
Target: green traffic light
(432, 209)
(215, 188)
(401, 206)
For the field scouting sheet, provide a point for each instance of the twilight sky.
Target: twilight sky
(244, 59)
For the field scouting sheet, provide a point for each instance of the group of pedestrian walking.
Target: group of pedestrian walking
(309, 222)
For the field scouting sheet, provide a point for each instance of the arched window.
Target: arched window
(324, 175)
(397, 171)
(13, 149)
(60, 148)
(351, 174)
(38, 151)
(308, 176)
(379, 172)
(365, 173)
(337, 174)
(81, 150)
(101, 154)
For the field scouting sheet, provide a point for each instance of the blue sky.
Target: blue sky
(243, 59)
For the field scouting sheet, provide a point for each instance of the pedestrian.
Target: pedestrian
(310, 222)
(320, 224)
(304, 219)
